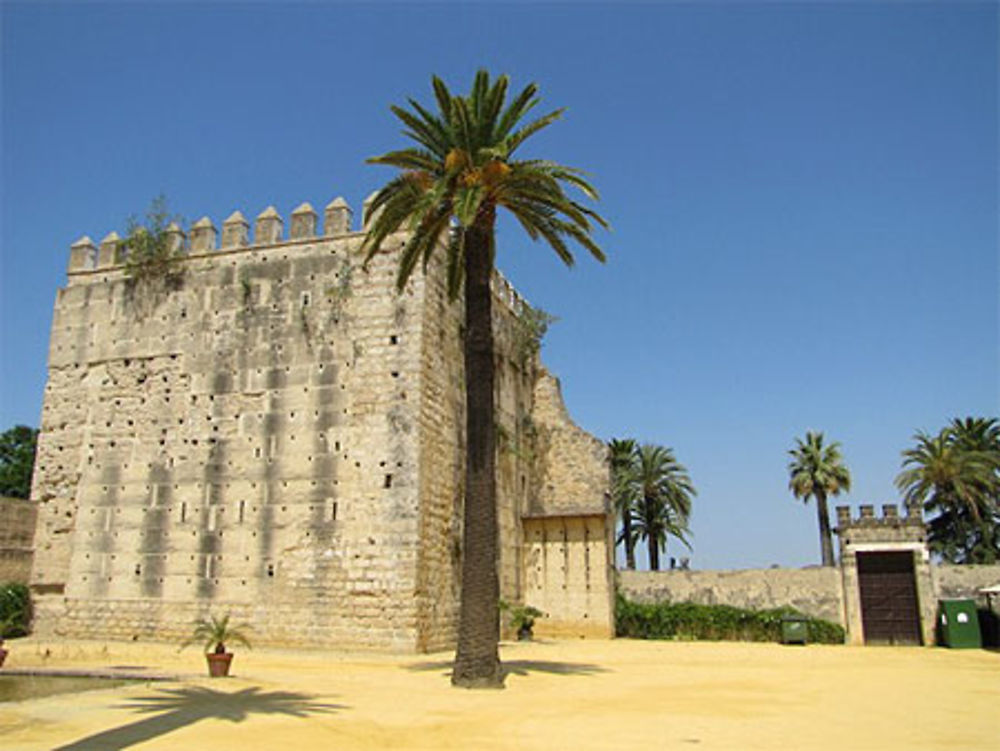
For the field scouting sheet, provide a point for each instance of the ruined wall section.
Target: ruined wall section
(568, 527)
(571, 470)
(242, 440)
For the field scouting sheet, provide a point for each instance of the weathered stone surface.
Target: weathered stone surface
(279, 435)
(303, 222)
(235, 231)
(203, 236)
(83, 255)
(337, 217)
(268, 228)
(965, 582)
(17, 528)
(815, 591)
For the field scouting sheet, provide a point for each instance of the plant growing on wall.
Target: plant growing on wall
(338, 294)
(149, 253)
(531, 326)
(459, 172)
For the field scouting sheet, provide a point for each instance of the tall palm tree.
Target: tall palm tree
(459, 172)
(665, 495)
(818, 471)
(624, 490)
(955, 475)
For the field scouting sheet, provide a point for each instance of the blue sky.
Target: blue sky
(803, 199)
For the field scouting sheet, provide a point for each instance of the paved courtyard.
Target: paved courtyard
(560, 695)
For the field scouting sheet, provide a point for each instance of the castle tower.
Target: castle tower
(278, 434)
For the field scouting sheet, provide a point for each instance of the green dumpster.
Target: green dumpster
(958, 622)
(794, 629)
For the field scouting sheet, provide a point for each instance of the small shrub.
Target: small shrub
(15, 610)
(146, 250)
(687, 621)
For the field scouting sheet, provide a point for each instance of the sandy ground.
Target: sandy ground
(560, 695)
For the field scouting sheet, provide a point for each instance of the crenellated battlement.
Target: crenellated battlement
(868, 528)
(890, 516)
(268, 230)
(204, 237)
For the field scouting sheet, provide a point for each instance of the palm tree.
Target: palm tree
(452, 181)
(624, 491)
(215, 632)
(665, 495)
(955, 476)
(818, 471)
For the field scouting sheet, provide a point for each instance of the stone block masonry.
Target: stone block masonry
(815, 591)
(275, 433)
(17, 528)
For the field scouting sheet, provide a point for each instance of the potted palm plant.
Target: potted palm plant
(521, 618)
(214, 633)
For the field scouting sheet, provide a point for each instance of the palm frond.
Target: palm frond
(518, 137)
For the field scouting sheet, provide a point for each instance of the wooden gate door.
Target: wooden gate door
(888, 587)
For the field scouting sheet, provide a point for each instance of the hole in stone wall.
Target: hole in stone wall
(270, 570)
(393, 339)
(388, 481)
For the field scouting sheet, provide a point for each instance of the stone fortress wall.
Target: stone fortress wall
(831, 592)
(17, 528)
(279, 435)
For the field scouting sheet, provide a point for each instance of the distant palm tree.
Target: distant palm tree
(955, 476)
(460, 171)
(664, 504)
(818, 471)
(624, 491)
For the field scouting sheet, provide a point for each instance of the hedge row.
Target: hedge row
(691, 622)
(15, 610)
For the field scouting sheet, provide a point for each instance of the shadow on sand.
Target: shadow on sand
(173, 709)
(522, 667)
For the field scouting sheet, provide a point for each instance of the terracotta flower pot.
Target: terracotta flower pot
(218, 664)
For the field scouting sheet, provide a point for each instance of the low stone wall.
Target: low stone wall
(17, 531)
(814, 591)
(960, 582)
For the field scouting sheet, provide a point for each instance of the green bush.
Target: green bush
(687, 621)
(15, 610)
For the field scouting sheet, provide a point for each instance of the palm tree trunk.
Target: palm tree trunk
(654, 553)
(629, 541)
(825, 538)
(477, 660)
